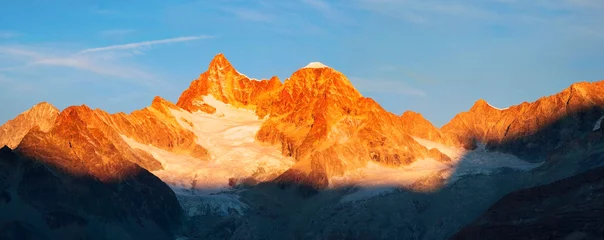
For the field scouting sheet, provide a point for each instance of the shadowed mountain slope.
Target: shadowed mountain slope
(40, 199)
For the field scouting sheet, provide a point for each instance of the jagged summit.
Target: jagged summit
(223, 82)
(316, 116)
(219, 62)
(315, 65)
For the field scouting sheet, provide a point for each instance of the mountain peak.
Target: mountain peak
(315, 65)
(219, 62)
(226, 84)
(480, 103)
(42, 115)
(43, 105)
(483, 104)
(411, 114)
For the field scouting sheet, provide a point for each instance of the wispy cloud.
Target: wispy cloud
(93, 65)
(144, 44)
(102, 61)
(386, 86)
(287, 17)
(250, 14)
(319, 5)
(419, 11)
(30, 57)
(116, 32)
(328, 10)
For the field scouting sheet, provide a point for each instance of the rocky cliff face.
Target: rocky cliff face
(416, 125)
(94, 137)
(317, 117)
(531, 130)
(321, 120)
(224, 83)
(42, 115)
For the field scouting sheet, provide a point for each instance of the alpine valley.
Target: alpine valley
(306, 158)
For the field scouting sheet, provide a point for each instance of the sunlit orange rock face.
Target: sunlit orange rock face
(224, 83)
(321, 120)
(531, 128)
(416, 125)
(42, 115)
(316, 116)
(89, 142)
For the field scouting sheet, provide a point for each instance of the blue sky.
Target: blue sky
(435, 57)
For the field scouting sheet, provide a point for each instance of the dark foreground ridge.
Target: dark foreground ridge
(40, 201)
(571, 208)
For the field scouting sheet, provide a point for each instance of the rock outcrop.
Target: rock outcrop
(317, 117)
(42, 115)
(531, 130)
(416, 125)
(94, 137)
(224, 83)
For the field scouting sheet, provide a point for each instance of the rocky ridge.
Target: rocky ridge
(41, 115)
(531, 130)
(317, 117)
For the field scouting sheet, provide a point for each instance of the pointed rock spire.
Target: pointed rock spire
(219, 62)
(223, 82)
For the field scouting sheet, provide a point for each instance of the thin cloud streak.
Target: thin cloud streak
(144, 44)
(250, 14)
(92, 66)
(100, 61)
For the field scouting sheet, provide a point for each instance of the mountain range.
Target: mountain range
(309, 157)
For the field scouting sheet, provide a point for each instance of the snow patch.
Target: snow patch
(501, 109)
(453, 153)
(375, 180)
(254, 79)
(315, 65)
(229, 137)
(598, 123)
(482, 161)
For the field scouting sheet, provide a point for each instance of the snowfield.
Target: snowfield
(598, 123)
(202, 185)
(376, 180)
(315, 65)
